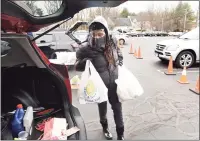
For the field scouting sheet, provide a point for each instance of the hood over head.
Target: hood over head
(100, 20)
(97, 24)
(98, 43)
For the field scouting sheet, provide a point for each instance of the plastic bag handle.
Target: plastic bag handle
(88, 66)
(90, 72)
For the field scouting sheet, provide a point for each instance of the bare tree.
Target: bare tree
(34, 9)
(52, 6)
(142, 19)
(92, 13)
(151, 15)
(106, 11)
(115, 12)
(30, 4)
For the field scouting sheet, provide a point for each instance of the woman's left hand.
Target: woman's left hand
(120, 63)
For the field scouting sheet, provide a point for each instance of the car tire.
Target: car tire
(180, 59)
(121, 41)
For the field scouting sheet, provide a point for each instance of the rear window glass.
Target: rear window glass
(81, 35)
(40, 8)
(48, 38)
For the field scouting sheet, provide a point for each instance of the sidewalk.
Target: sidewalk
(163, 116)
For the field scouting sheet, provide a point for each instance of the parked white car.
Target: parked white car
(184, 49)
(55, 40)
(175, 33)
(121, 37)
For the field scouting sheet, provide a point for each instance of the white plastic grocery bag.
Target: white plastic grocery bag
(128, 87)
(92, 89)
(67, 58)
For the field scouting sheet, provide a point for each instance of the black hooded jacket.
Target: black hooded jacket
(107, 73)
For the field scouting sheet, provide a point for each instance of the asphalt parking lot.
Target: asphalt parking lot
(166, 110)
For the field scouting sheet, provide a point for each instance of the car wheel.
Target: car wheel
(185, 58)
(121, 41)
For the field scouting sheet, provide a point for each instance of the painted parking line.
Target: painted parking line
(175, 71)
(189, 72)
(187, 69)
(160, 71)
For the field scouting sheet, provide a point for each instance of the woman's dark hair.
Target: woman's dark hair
(98, 26)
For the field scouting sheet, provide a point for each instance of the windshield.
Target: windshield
(193, 34)
(40, 8)
(81, 35)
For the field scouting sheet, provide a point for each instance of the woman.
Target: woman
(104, 54)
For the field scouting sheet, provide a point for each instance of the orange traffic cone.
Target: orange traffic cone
(135, 53)
(139, 56)
(131, 50)
(196, 90)
(170, 67)
(183, 79)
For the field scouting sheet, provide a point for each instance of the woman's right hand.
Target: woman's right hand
(80, 64)
(120, 63)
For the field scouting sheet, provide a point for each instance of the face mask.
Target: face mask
(97, 42)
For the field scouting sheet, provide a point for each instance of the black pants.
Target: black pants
(117, 110)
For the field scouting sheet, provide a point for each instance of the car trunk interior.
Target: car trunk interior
(29, 86)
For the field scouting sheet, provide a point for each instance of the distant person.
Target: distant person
(105, 55)
(30, 34)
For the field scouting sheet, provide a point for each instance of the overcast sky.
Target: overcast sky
(138, 6)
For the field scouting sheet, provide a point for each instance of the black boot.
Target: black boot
(120, 133)
(120, 137)
(106, 131)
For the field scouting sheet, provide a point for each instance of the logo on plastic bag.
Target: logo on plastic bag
(90, 92)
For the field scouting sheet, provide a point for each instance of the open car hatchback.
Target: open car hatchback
(27, 77)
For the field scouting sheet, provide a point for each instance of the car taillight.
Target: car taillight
(68, 86)
(65, 74)
(43, 56)
(63, 71)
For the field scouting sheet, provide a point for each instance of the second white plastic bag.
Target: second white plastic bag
(92, 88)
(128, 87)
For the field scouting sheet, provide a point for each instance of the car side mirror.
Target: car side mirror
(5, 48)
